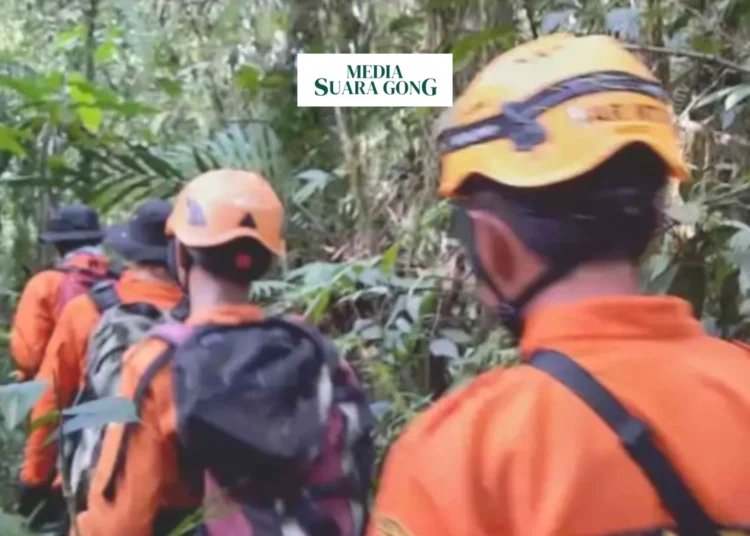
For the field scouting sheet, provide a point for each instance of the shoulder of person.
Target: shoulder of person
(140, 357)
(79, 311)
(492, 401)
(45, 277)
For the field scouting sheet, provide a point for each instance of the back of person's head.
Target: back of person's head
(609, 213)
(229, 223)
(68, 246)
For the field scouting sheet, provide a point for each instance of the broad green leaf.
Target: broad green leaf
(372, 332)
(98, 413)
(33, 88)
(50, 417)
(69, 36)
(13, 525)
(248, 77)
(79, 95)
(444, 348)
(318, 307)
(404, 22)
(388, 261)
(414, 306)
(16, 400)
(171, 87)
(315, 181)
(105, 52)
(275, 80)
(687, 214)
(9, 141)
(91, 117)
(458, 336)
(737, 96)
(705, 44)
(403, 325)
(468, 46)
(714, 96)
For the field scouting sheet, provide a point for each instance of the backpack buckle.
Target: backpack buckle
(633, 433)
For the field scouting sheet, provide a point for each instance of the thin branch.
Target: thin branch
(529, 9)
(699, 56)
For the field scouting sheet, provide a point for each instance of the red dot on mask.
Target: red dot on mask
(243, 261)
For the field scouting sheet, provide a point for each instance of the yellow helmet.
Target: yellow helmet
(551, 110)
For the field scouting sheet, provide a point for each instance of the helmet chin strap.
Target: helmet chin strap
(173, 263)
(510, 312)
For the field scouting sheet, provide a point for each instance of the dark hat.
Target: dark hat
(72, 223)
(143, 239)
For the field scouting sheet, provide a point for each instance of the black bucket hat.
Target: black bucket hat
(143, 239)
(72, 223)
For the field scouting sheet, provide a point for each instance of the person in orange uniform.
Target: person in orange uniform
(624, 416)
(216, 220)
(143, 245)
(77, 235)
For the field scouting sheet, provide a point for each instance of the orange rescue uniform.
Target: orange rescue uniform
(516, 453)
(151, 479)
(36, 315)
(64, 362)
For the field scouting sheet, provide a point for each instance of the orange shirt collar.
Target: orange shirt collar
(620, 317)
(132, 287)
(229, 314)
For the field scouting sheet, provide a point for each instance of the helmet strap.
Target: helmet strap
(173, 263)
(510, 312)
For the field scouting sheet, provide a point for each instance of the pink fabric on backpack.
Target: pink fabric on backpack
(78, 280)
(330, 466)
(173, 333)
(229, 519)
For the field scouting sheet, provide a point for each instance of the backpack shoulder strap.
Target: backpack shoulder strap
(174, 335)
(636, 438)
(181, 310)
(323, 345)
(104, 295)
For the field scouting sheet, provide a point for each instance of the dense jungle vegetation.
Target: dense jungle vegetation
(112, 101)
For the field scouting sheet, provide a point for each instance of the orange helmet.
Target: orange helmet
(551, 110)
(222, 205)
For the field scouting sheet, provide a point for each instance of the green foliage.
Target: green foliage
(16, 401)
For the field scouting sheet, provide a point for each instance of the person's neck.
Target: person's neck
(591, 280)
(207, 295)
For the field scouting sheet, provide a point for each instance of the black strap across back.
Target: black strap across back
(636, 438)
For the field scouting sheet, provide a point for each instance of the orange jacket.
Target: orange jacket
(516, 453)
(36, 315)
(151, 479)
(64, 363)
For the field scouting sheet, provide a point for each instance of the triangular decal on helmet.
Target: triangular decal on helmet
(195, 215)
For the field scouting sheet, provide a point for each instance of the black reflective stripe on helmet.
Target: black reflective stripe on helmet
(518, 120)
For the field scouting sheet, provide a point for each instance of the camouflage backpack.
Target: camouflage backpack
(272, 425)
(120, 326)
